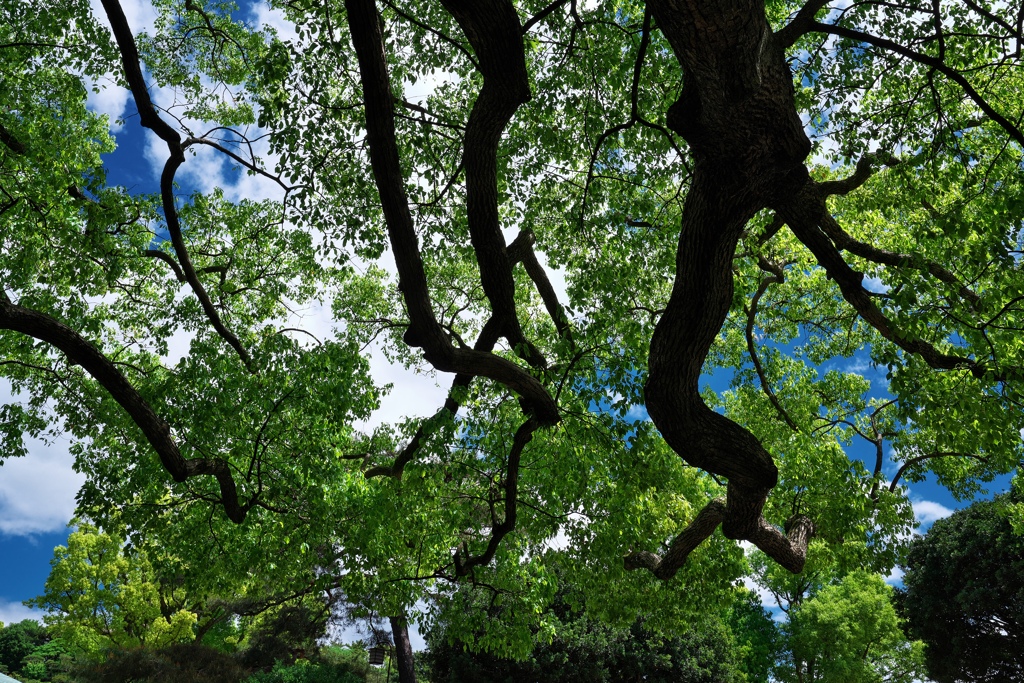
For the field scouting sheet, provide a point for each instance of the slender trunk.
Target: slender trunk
(403, 650)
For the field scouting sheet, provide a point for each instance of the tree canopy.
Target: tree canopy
(964, 591)
(849, 632)
(593, 206)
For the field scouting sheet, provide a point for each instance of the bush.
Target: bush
(183, 663)
(304, 671)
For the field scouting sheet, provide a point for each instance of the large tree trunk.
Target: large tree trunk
(738, 115)
(403, 650)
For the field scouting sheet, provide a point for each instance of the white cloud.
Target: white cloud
(13, 612)
(37, 492)
(112, 100)
(264, 16)
(895, 577)
(875, 285)
(927, 511)
(765, 595)
(415, 394)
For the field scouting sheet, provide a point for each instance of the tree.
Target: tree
(99, 597)
(584, 650)
(18, 641)
(849, 632)
(963, 595)
(654, 154)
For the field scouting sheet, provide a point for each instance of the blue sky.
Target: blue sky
(37, 492)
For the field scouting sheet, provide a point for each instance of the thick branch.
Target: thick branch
(11, 142)
(542, 15)
(157, 432)
(863, 171)
(789, 549)
(801, 23)
(424, 330)
(168, 259)
(187, 269)
(136, 82)
(805, 214)
(493, 29)
(697, 531)
(845, 241)
(521, 251)
(151, 119)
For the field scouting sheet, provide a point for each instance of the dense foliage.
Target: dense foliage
(32, 653)
(572, 214)
(965, 595)
(26, 648)
(736, 645)
(849, 632)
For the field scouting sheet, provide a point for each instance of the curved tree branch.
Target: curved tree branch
(157, 432)
(168, 259)
(424, 330)
(800, 24)
(493, 29)
(928, 456)
(806, 214)
(187, 269)
(751, 310)
(151, 119)
(464, 562)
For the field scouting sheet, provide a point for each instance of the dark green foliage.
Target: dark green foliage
(183, 663)
(965, 596)
(305, 671)
(47, 662)
(289, 634)
(18, 641)
(585, 651)
(757, 639)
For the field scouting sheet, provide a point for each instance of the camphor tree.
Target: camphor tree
(783, 189)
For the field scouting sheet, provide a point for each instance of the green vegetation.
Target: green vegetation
(571, 214)
(964, 582)
(849, 632)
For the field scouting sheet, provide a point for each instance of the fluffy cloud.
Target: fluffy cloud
(264, 16)
(13, 612)
(895, 577)
(107, 97)
(37, 492)
(927, 511)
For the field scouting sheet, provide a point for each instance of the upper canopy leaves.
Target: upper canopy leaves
(587, 206)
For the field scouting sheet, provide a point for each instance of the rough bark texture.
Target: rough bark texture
(738, 114)
(403, 650)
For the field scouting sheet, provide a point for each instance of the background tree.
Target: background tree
(100, 596)
(849, 632)
(18, 641)
(654, 155)
(964, 584)
(579, 649)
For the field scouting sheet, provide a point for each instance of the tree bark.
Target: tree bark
(738, 114)
(403, 650)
